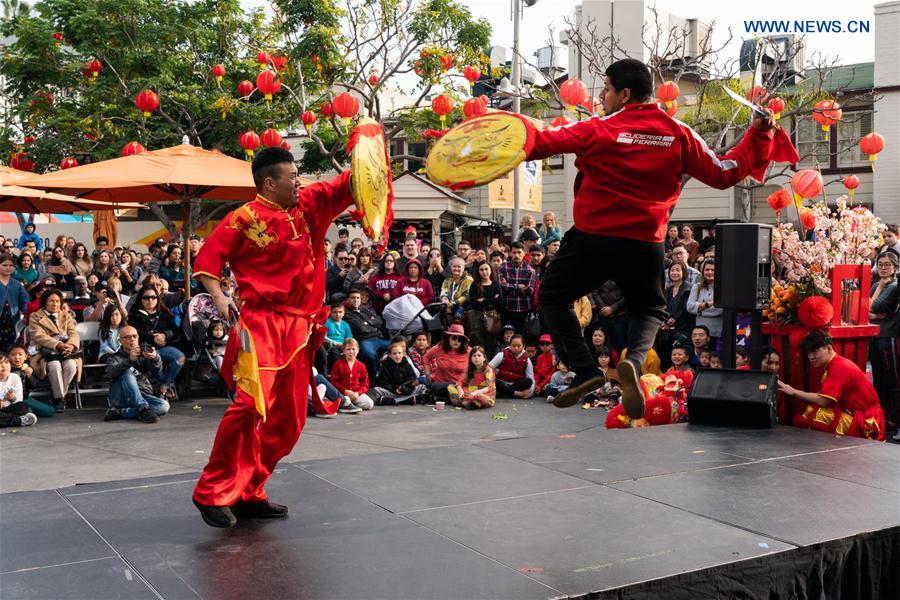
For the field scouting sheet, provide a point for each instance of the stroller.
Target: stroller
(201, 311)
(407, 315)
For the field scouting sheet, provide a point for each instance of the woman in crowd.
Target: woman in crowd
(46, 255)
(13, 300)
(60, 241)
(598, 341)
(103, 266)
(549, 231)
(680, 322)
(129, 271)
(415, 284)
(455, 290)
(435, 272)
(112, 321)
(81, 259)
(25, 271)
(70, 245)
(362, 271)
(61, 269)
(52, 331)
(484, 297)
(172, 269)
(156, 327)
(702, 303)
(671, 238)
(384, 283)
(883, 311)
(446, 363)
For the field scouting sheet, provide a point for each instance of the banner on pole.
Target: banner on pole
(500, 191)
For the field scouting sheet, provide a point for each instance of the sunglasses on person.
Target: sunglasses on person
(149, 297)
(455, 338)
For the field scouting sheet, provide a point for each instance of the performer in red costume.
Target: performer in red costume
(274, 246)
(847, 403)
(631, 165)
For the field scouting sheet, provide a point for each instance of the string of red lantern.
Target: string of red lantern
(68, 163)
(268, 84)
(442, 105)
(308, 118)
(572, 92)
(270, 138)
(806, 184)
(472, 74)
(851, 182)
(218, 72)
(872, 144)
(245, 88)
(826, 114)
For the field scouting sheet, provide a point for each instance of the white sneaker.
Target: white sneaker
(349, 408)
(896, 437)
(27, 419)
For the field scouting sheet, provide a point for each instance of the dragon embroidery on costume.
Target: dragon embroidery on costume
(256, 230)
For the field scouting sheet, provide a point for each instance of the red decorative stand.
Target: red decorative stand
(850, 329)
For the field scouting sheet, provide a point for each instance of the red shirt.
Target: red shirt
(447, 367)
(544, 369)
(847, 385)
(344, 377)
(630, 165)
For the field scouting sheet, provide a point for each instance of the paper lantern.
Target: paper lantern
(279, 61)
(268, 84)
(572, 92)
(132, 148)
(472, 74)
(560, 121)
(326, 109)
(446, 62)
(262, 58)
(147, 101)
(249, 141)
(668, 92)
(484, 99)
(21, 162)
(815, 312)
(826, 114)
(442, 105)
(285, 146)
(245, 88)
(270, 138)
(851, 182)
(672, 109)
(806, 184)
(218, 72)
(28, 139)
(779, 200)
(59, 37)
(757, 94)
(776, 105)
(872, 144)
(345, 106)
(473, 107)
(373, 79)
(68, 163)
(308, 118)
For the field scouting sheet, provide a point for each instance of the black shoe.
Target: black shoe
(632, 392)
(259, 510)
(59, 405)
(216, 516)
(581, 386)
(113, 414)
(147, 415)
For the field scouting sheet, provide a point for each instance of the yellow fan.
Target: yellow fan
(370, 177)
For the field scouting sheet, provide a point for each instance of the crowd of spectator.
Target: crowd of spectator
(492, 342)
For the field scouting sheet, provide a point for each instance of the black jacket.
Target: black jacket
(120, 362)
(364, 323)
(677, 309)
(393, 376)
(334, 281)
(482, 299)
(158, 322)
(886, 304)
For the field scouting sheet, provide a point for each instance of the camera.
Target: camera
(146, 348)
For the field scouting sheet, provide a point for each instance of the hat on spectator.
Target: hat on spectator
(545, 338)
(509, 328)
(457, 330)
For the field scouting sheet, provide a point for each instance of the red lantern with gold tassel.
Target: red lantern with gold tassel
(826, 114)
(132, 148)
(473, 107)
(218, 72)
(806, 184)
(308, 118)
(345, 106)
(249, 141)
(270, 138)
(268, 84)
(68, 163)
(872, 144)
(279, 61)
(776, 105)
(667, 93)
(245, 88)
(851, 182)
(442, 105)
(472, 74)
(672, 109)
(147, 101)
(262, 58)
(446, 62)
(21, 161)
(572, 92)
(326, 109)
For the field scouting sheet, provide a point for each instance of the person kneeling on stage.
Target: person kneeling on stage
(130, 392)
(515, 374)
(847, 403)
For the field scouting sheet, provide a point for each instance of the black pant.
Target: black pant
(582, 264)
(506, 389)
(9, 416)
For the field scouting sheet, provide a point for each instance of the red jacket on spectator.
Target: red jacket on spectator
(544, 369)
(344, 377)
(420, 288)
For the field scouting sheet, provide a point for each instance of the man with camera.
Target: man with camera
(104, 297)
(130, 392)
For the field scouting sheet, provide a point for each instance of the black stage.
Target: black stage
(675, 511)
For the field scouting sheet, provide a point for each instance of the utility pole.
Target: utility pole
(516, 104)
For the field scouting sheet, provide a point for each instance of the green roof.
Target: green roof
(859, 76)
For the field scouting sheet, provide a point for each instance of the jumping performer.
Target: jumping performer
(630, 167)
(274, 246)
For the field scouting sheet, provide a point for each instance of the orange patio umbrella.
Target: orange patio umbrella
(181, 174)
(15, 198)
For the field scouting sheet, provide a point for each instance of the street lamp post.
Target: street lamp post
(516, 104)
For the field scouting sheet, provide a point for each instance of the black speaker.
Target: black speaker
(733, 397)
(743, 266)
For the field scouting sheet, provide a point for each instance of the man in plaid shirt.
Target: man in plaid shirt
(517, 280)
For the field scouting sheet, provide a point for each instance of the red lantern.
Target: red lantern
(826, 114)
(806, 184)
(132, 148)
(270, 138)
(29, 139)
(672, 109)
(560, 121)
(779, 200)
(473, 107)
(245, 88)
(472, 74)
(279, 62)
(147, 101)
(446, 62)
(268, 84)
(326, 109)
(872, 144)
(218, 72)
(249, 141)
(668, 92)
(757, 94)
(851, 182)
(285, 146)
(572, 92)
(442, 105)
(807, 219)
(59, 37)
(262, 57)
(484, 99)
(345, 106)
(776, 104)
(68, 163)
(21, 162)
(417, 68)
(308, 118)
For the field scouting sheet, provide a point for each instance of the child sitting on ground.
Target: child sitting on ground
(515, 375)
(545, 365)
(478, 390)
(336, 332)
(18, 360)
(13, 410)
(350, 378)
(417, 353)
(559, 382)
(216, 340)
(608, 395)
(397, 380)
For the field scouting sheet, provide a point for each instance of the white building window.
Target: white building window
(852, 127)
(811, 144)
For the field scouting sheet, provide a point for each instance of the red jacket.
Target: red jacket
(544, 369)
(420, 288)
(630, 165)
(344, 378)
